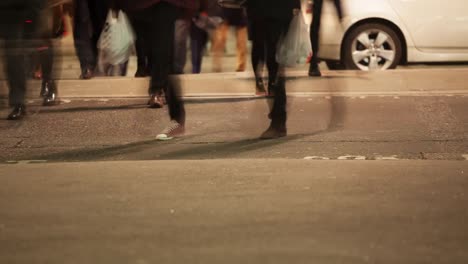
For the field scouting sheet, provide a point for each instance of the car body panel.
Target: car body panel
(332, 32)
(436, 25)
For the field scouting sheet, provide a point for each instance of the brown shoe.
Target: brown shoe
(273, 132)
(172, 130)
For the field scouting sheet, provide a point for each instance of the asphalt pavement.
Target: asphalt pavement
(242, 211)
(367, 174)
(319, 127)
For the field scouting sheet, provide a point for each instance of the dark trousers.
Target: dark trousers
(315, 26)
(89, 19)
(142, 47)
(15, 62)
(21, 39)
(198, 40)
(266, 34)
(160, 21)
(44, 57)
(258, 53)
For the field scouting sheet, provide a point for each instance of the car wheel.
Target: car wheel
(334, 65)
(372, 46)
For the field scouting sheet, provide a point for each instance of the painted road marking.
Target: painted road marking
(316, 158)
(351, 157)
(25, 161)
(465, 156)
(392, 157)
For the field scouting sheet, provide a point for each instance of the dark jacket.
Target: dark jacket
(279, 9)
(234, 16)
(142, 4)
(19, 15)
(211, 8)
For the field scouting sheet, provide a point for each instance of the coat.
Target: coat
(142, 4)
(278, 9)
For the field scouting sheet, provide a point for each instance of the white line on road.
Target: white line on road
(25, 161)
(316, 158)
(352, 157)
(392, 157)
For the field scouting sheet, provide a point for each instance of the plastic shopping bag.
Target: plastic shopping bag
(294, 48)
(115, 44)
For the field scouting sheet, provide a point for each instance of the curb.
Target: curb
(405, 82)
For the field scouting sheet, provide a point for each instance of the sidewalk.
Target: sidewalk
(410, 82)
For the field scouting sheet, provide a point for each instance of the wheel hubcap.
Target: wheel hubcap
(373, 50)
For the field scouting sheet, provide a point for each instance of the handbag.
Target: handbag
(232, 3)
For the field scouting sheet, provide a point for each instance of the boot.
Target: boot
(19, 111)
(49, 92)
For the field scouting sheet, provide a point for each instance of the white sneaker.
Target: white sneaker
(172, 130)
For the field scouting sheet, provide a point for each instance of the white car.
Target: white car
(381, 34)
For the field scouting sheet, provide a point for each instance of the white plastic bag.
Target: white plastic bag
(115, 43)
(294, 48)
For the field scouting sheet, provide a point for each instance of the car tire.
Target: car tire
(372, 46)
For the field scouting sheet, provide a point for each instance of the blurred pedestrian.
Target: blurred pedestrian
(258, 53)
(159, 18)
(272, 20)
(89, 19)
(142, 46)
(314, 70)
(22, 27)
(237, 18)
(51, 26)
(187, 27)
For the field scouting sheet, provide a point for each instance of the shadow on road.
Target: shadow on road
(150, 149)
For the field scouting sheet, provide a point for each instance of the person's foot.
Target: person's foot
(45, 87)
(19, 111)
(172, 130)
(157, 100)
(50, 96)
(314, 70)
(141, 72)
(274, 132)
(87, 74)
(260, 87)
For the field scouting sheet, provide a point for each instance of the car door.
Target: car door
(435, 25)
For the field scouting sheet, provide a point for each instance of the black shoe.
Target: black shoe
(314, 70)
(274, 132)
(19, 111)
(87, 74)
(46, 87)
(260, 87)
(50, 98)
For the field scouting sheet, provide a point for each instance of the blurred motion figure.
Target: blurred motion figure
(314, 70)
(22, 27)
